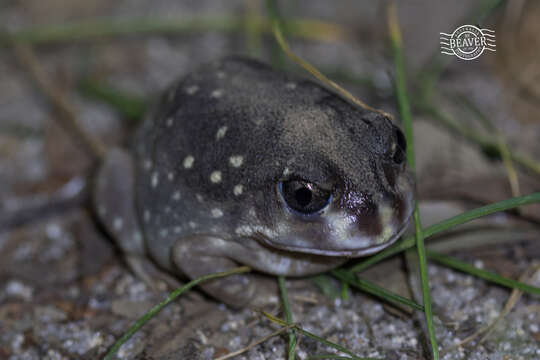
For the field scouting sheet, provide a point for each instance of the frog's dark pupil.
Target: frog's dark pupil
(303, 196)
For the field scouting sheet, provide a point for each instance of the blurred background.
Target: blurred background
(477, 139)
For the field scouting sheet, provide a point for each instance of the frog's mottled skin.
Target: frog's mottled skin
(200, 191)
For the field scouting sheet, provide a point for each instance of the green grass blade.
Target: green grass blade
(406, 116)
(314, 337)
(288, 316)
(109, 28)
(170, 298)
(482, 211)
(128, 105)
(483, 274)
(325, 285)
(463, 218)
(373, 289)
(344, 291)
(332, 345)
(424, 279)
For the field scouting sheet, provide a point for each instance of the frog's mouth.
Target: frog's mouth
(364, 250)
(344, 231)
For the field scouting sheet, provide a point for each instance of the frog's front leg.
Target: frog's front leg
(198, 255)
(113, 197)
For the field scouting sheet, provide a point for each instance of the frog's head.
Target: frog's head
(344, 188)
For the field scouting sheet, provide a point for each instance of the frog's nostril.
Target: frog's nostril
(367, 219)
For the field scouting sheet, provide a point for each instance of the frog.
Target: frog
(242, 164)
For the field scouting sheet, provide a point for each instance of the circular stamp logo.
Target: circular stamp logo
(467, 42)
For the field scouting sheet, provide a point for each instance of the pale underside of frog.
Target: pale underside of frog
(240, 164)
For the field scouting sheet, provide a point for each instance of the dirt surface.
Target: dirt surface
(65, 292)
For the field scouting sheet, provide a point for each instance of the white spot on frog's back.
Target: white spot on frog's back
(221, 132)
(216, 213)
(118, 224)
(177, 229)
(236, 161)
(238, 189)
(216, 94)
(164, 232)
(290, 85)
(170, 176)
(286, 171)
(169, 122)
(220, 75)
(192, 224)
(215, 176)
(137, 237)
(199, 198)
(147, 164)
(176, 196)
(191, 90)
(188, 161)
(154, 181)
(146, 216)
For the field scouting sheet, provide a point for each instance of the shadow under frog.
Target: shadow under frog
(243, 164)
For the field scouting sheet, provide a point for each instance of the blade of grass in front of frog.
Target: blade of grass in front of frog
(406, 117)
(170, 298)
(128, 105)
(373, 289)
(325, 285)
(483, 274)
(344, 291)
(463, 218)
(288, 316)
(315, 337)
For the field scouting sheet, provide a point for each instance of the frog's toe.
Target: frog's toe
(153, 277)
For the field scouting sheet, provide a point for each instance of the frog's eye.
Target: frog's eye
(304, 197)
(399, 147)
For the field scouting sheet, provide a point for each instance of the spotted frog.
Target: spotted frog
(242, 164)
